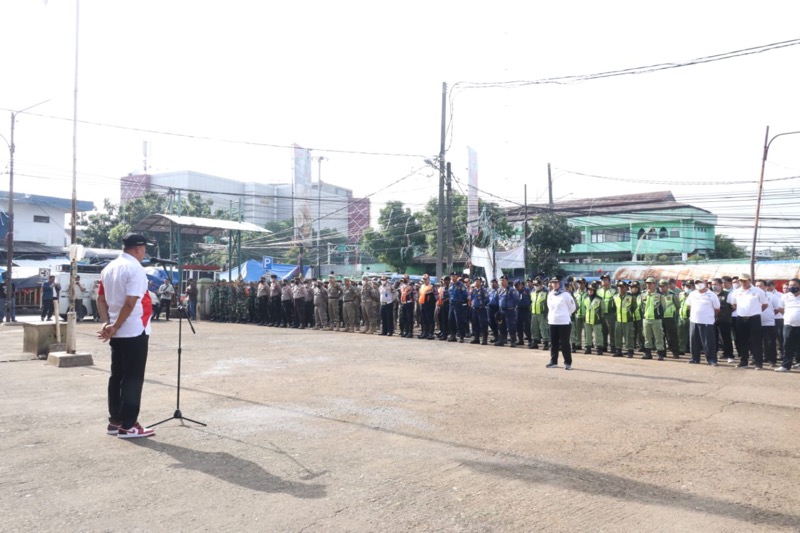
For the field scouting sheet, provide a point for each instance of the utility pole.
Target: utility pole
(319, 216)
(550, 186)
(440, 228)
(525, 237)
(449, 218)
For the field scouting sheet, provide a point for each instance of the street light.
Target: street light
(10, 234)
(320, 159)
(767, 143)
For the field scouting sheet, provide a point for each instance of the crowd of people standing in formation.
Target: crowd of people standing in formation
(652, 318)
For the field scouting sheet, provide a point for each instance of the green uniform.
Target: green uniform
(638, 326)
(670, 322)
(623, 330)
(224, 296)
(652, 309)
(593, 323)
(215, 315)
(577, 326)
(540, 329)
(683, 325)
(609, 317)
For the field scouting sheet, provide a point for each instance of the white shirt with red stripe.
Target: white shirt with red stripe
(124, 277)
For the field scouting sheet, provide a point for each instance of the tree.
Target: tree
(726, 248)
(429, 220)
(398, 234)
(106, 229)
(789, 253)
(549, 234)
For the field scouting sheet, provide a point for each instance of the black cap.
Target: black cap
(554, 280)
(605, 276)
(134, 239)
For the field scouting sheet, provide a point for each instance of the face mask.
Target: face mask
(687, 290)
(794, 290)
(700, 286)
(736, 285)
(717, 288)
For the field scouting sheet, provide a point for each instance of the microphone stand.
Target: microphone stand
(177, 415)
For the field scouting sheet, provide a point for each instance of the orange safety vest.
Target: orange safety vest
(405, 294)
(423, 292)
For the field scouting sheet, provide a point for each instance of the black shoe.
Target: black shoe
(475, 340)
(588, 351)
(484, 340)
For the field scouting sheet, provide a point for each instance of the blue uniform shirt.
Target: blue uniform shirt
(480, 298)
(458, 292)
(509, 298)
(494, 298)
(525, 297)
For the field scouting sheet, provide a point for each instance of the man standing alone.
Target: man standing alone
(125, 309)
(560, 306)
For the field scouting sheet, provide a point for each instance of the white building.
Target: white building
(39, 221)
(260, 202)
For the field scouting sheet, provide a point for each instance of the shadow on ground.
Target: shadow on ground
(601, 484)
(232, 469)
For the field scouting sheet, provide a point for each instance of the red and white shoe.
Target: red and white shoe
(113, 429)
(136, 431)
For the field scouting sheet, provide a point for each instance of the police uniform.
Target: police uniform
(593, 321)
(509, 300)
(320, 306)
(334, 293)
(286, 304)
(540, 330)
(638, 326)
(622, 307)
(348, 306)
(274, 302)
(651, 308)
(683, 318)
(577, 331)
(524, 315)
(479, 303)
(443, 309)
(459, 294)
(406, 318)
(493, 309)
(609, 316)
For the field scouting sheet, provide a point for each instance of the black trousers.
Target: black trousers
(263, 309)
(426, 318)
(703, 337)
(559, 340)
(286, 312)
(299, 312)
(725, 339)
(444, 318)
(769, 336)
(387, 319)
(275, 310)
(165, 304)
(407, 318)
(524, 323)
(779, 328)
(480, 321)
(128, 361)
(47, 309)
(748, 334)
(493, 309)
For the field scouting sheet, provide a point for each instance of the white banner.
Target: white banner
(472, 193)
(302, 193)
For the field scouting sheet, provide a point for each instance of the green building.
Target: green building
(632, 227)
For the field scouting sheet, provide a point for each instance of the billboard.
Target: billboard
(472, 193)
(301, 194)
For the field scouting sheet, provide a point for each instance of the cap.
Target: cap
(699, 280)
(635, 284)
(744, 276)
(592, 286)
(605, 276)
(621, 284)
(503, 277)
(134, 239)
(537, 282)
(554, 280)
(688, 282)
(651, 279)
(663, 282)
(273, 276)
(580, 280)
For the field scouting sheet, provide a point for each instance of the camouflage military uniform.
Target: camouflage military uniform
(251, 303)
(215, 314)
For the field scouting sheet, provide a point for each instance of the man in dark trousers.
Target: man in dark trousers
(125, 309)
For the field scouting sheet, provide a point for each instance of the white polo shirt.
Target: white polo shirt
(124, 277)
(560, 306)
(768, 316)
(791, 309)
(777, 294)
(748, 302)
(702, 305)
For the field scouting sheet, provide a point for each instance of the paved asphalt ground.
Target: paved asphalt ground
(311, 431)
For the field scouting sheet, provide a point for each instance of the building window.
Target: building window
(640, 235)
(675, 233)
(611, 235)
(662, 233)
(582, 238)
(41, 218)
(651, 235)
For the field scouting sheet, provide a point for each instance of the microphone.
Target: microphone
(161, 261)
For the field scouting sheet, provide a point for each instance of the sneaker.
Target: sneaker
(759, 368)
(551, 365)
(741, 367)
(567, 367)
(113, 429)
(731, 360)
(136, 431)
(781, 369)
(796, 365)
(713, 364)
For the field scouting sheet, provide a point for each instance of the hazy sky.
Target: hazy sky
(366, 76)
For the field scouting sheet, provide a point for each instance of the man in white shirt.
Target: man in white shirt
(703, 309)
(165, 294)
(125, 309)
(772, 291)
(386, 292)
(790, 307)
(748, 302)
(769, 333)
(560, 307)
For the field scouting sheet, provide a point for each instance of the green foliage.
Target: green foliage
(725, 248)
(549, 235)
(789, 253)
(399, 232)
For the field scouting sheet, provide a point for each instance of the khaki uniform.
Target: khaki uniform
(348, 306)
(320, 307)
(334, 293)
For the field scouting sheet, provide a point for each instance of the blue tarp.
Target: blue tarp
(253, 271)
(156, 276)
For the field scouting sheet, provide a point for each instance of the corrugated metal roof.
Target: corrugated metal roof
(195, 225)
(63, 204)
